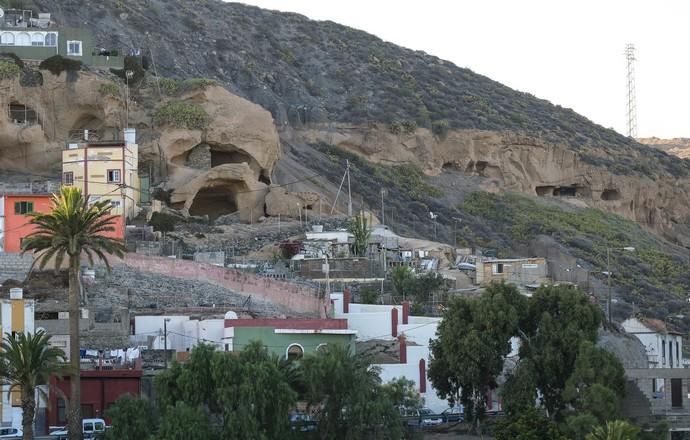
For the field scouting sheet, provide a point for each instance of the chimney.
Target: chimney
(402, 340)
(405, 311)
(347, 297)
(16, 293)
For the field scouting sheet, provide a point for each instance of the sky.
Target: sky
(569, 52)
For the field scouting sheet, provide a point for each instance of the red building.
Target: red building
(16, 208)
(99, 390)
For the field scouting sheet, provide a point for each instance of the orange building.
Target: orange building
(16, 208)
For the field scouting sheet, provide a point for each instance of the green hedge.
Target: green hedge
(58, 64)
(182, 115)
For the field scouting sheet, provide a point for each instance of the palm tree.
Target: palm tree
(614, 430)
(26, 362)
(73, 227)
(357, 226)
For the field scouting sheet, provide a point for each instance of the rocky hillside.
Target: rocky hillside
(677, 146)
(305, 71)
(431, 133)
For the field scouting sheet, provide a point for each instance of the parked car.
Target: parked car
(429, 418)
(420, 417)
(11, 433)
(302, 422)
(454, 414)
(90, 429)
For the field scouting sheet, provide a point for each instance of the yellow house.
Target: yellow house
(105, 170)
(16, 316)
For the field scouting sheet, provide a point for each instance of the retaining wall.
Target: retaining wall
(296, 297)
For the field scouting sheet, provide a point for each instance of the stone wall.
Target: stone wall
(199, 157)
(295, 297)
(14, 266)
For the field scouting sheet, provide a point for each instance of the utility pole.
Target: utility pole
(349, 191)
(383, 212)
(631, 103)
(165, 341)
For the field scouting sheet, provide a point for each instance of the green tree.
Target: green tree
(187, 422)
(559, 319)
(73, 228)
(614, 430)
(593, 390)
(26, 364)
(251, 393)
(423, 286)
(471, 344)
(402, 392)
(132, 419)
(351, 401)
(528, 425)
(359, 228)
(401, 277)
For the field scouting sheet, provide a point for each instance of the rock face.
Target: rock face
(282, 202)
(677, 146)
(225, 168)
(523, 164)
(40, 118)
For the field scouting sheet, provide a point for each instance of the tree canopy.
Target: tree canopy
(559, 370)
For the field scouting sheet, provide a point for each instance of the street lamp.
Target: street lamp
(165, 341)
(608, 273)
(128, 75)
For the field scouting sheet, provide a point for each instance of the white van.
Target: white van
(90, 428)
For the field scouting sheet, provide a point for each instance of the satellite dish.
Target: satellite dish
(2, 13)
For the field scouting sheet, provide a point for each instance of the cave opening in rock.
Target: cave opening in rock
(545, 191)
(264, 179)
(216, 201)
(480, 167)
(219, 157)
(565, 191)
(610, 194)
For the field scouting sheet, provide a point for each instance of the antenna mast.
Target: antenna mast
(631, 105)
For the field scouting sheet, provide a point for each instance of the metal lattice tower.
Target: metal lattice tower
(631, 105)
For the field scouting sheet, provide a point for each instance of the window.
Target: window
(115, 203)
(497, 268)
(74, 48)
(37, 39)
(68, 178)
(23, 208)
(677, 355)
(7, 39)
(61, 411)
(51, 39)
(663, 353)
(113, 176)
(294, 352)
(23, 39)
(670, 354)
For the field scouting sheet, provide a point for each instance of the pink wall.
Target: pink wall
(296, 297)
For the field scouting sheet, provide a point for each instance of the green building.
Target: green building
(292, 338)
(35, 39)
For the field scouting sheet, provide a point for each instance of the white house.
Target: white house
(390, 322)
(183, 333)
(664, 347)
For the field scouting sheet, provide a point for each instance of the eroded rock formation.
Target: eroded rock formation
(517, 163)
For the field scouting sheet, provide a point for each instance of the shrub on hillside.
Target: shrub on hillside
(109, 89)
(182, 115)
(58, 64)
(168, 86)
(9, 70)
(15, 59)
(196, 83)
